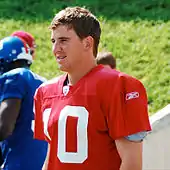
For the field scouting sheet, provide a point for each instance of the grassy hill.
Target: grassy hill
(137, 32)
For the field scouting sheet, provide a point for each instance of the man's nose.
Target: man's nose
(57, 48)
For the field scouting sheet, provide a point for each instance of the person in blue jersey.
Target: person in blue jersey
(17, 87)
(30, 40)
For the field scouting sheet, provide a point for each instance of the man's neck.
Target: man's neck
(79, 73)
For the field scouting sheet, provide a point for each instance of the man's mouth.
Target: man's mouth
(61, 57)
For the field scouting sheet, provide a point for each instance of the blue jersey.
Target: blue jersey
(20, 151)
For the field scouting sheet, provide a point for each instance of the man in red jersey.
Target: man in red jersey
(93, 118)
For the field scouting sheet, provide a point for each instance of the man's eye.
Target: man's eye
(53, 41)
(63, 40)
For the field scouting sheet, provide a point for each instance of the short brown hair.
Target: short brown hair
(82, 21)
(106, 58)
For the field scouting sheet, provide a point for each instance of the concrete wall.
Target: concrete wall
(156, 154)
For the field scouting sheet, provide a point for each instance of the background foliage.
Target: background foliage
(137, 32)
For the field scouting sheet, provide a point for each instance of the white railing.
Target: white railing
(156, 155)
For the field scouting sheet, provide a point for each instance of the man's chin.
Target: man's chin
(62, 68)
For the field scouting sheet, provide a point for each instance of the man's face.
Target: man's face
(33, 49)
(67, 47)
(32, 52)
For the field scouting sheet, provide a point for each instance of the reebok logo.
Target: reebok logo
(132, 95)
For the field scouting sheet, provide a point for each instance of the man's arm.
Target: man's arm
(45, 166)
(9, 111)
(130, 154)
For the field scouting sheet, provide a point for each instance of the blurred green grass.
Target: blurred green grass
(137, 32)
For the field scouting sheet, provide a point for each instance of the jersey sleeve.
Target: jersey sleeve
(128, 110)
(39, 125)
(13, 86)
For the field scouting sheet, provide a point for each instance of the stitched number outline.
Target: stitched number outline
(82, 139)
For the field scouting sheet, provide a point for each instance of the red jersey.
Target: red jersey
(83, 125)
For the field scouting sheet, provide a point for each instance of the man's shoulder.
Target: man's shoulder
(108, 79)
(22, 76)
(12, 84)
(51, 85)
(38, 77)
(113, 74)
(51, 82)
(26, 74)
(13, 75)
(108, 75)
(18, 73)
(13, 72)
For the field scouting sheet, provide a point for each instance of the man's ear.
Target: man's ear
(88, 42)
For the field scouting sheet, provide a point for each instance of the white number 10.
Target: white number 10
(82, 140)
